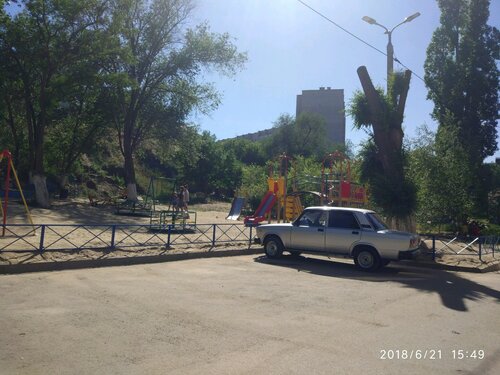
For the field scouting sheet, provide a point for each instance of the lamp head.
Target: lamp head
(370, 20)
(412, 17)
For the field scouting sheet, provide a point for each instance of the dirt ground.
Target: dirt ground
(79, 211)
(459, 253)
(97, 232)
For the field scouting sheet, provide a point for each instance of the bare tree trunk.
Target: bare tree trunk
(41, 191)
(130, 175)
(63, 190)
(388, 136)
(132, 192)
(406, 224)
(128, 150)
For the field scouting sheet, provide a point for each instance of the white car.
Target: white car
(341, 231)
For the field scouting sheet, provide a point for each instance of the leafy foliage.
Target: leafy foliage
(462, 75)
(253, 184)
(304, 136)
(395, 197)
(246, 151)
(161, 64)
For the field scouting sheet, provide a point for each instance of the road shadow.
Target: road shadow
(452, 289)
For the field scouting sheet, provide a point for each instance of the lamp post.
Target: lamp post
(390, 48)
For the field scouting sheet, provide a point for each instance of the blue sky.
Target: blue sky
(290, 49)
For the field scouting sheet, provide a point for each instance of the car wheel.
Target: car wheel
(273, 247)
(367, 259)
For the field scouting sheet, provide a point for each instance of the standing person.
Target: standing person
(180, 200)
(175, 202)
(186, 197)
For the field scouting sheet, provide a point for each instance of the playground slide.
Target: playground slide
(236, 208)
(265, 206)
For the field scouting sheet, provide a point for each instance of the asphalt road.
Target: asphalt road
(249, 315)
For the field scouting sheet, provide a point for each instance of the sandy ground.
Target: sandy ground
(98, 232)
(460, 253)
(62, 234)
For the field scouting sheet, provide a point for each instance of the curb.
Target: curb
(113, 262)
(448, 267)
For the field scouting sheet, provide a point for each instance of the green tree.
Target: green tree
(40, 44)
(11, 119)
(253, 184)
(207, 166)
(161, 66)
(245, 150)
(303, 136)
(437, 167)
(463, 80)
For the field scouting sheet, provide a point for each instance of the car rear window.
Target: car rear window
(342, 219)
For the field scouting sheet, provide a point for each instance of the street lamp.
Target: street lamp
(390, 48)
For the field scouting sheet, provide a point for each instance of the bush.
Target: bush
(254, 184)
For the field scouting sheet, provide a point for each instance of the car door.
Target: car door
(308, 231)
(342, 231)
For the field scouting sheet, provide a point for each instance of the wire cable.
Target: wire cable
(357, 37)
(342, 28)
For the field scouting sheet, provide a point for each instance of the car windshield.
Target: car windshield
(377, 223)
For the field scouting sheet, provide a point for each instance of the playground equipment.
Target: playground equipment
(336, 186)
(133, 208)
(276, 193)
(236, 207)
(5, 205)
(160, 190)
(177, 220)
(293, 205)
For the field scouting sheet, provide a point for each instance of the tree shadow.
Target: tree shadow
(74, 213)
(452, 289)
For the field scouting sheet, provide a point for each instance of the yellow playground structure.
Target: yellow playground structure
(335, 188)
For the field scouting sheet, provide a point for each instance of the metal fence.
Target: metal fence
(465, 246)
(75, 237)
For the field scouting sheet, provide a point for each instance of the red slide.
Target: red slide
(265, 206)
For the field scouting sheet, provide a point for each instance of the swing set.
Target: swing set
(5, 154)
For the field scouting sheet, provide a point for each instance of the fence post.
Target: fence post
(113, 232)
(213, 235)
(169, 231)
(480, 248)
(42, 237)
(433, 247)
(250, 239)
